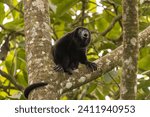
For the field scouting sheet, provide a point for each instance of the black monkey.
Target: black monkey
(70, 50)
(67, 53)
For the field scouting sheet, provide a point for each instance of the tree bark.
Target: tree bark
(38, 47)
(128, 87)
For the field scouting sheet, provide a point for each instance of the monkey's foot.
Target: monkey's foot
(58, 68)
(92, 66)
(68, 71)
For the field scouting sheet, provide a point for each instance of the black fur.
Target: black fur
(70, 50)
(33, 86)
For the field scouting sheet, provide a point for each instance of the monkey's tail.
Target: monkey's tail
(33, 86)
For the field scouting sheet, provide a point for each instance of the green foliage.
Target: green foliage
(2, 12)
(115, 32)
(65, 15)
(15, 25)
(144, 59)
(102, 23)
(64, 6)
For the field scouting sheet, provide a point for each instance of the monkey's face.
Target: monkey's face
(84, 36)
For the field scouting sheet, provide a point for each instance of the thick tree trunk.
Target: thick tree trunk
(39, 62)
(130, 49)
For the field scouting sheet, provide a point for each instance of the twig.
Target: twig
(11, 79)
(13, 7)
(83, 11)
(114, 80)
(117, 18)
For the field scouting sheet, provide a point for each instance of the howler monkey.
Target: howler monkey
(68, 52)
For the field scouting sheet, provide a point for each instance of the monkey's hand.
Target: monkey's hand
(58, 68)
(91, 66)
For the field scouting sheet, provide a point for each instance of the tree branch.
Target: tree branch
(117, 18)
(10, 78)
(5, 88)
(105, 64)
(83, 11)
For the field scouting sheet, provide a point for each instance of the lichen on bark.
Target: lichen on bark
(130, 49)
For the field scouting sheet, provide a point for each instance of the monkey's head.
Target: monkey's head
(82, 36)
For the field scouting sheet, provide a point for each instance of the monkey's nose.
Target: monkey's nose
(86, 36)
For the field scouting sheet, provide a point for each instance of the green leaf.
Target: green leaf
(9, 63)
(1, 37)
(143, 25)
(99, 95)
(92, 88)
(21, 53)
(144, 83)
(115, 32)
(56, 1)
(144, 52)
(102, 24)
(117, 2)
(145, 11)
(16, 25)
(64, 6)
(21, 78)
(21, 63)
(108, 15)
(91, 6)
(66, 18)
(107, 45)
(1, 97)
(14, 12)
(2, 13)
(144, 63)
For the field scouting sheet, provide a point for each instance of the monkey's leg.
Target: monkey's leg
(66, 65)
(63, 65)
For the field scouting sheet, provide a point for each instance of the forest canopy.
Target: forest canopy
(102, 17)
